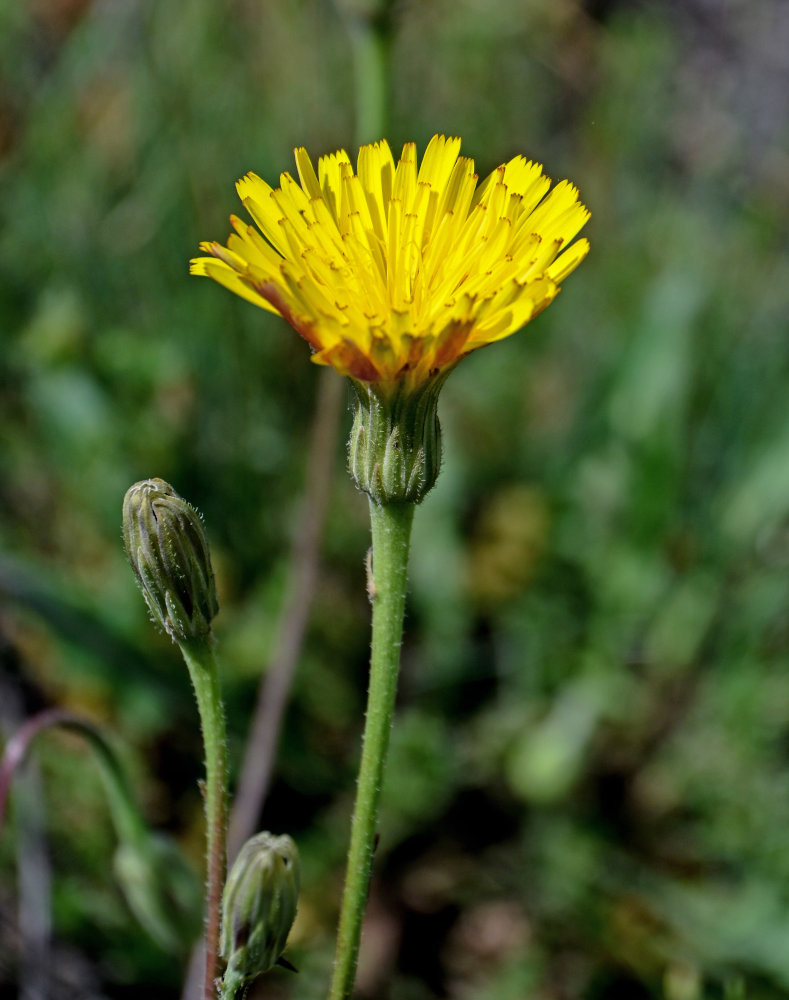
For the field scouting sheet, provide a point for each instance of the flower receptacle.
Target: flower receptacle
(394, 452)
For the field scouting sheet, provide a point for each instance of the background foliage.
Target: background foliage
(589, 789)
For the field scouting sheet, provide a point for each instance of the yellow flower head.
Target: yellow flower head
(396, 272)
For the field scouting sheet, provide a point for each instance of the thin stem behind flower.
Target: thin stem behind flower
(370, 48)
(264, 731)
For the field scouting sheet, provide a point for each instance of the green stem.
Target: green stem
(200, 659)
(391, 532)
(127, 819)
(370, 46)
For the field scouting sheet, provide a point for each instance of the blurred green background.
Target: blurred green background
(588, 795)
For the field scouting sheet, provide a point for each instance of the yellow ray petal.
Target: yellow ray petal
(219, 271)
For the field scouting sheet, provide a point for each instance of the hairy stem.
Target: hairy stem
(391, 533)
(200, 660)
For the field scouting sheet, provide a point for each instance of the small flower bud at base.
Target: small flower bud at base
(166, 545)
(258, 908)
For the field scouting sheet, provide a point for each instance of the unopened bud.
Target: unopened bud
(258, 908)
(168, 551)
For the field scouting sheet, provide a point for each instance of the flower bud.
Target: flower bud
(258, 908)
(168, 551)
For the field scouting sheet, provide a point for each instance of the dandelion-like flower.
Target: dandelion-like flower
(394, 273)
(393, 270)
